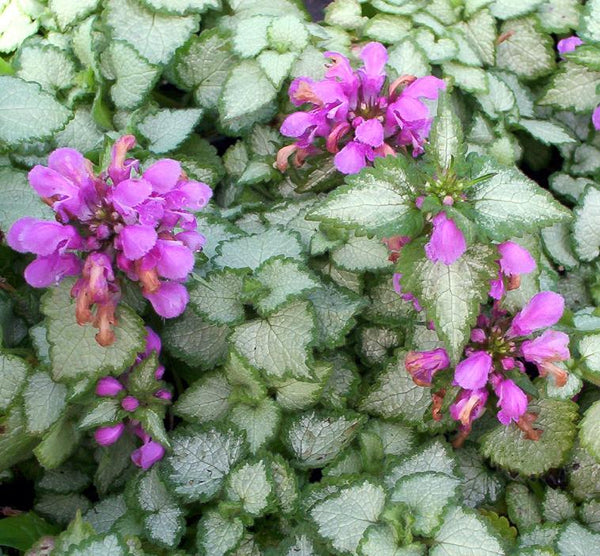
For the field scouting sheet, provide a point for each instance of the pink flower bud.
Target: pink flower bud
(512, 401)
(146, 456)
(447, 242)
(468, 406)
(129, 403)
(159, 373)
(105, 436)
(478, 336)
(108, 386)
(515, 259)
(422, 365)
(568, 45)
(472, 373)
(543, 310)
(163, 394)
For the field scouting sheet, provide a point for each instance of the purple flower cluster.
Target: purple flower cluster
(355, 116)
(140, 225)
(569, 44)
(150, 452)
(499, 345)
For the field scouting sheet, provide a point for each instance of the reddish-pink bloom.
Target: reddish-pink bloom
(148, 454)
(568, 44)
(447, 242)
(543, 310)
(468, 406)
(472, 373)
(108, 386)
(422, 365)
(511, 400)
(105, 436)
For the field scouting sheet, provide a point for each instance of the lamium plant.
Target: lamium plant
(280, 283)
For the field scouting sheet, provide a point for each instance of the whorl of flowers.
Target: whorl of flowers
(151, 451)
(115, 224)
(356, 115)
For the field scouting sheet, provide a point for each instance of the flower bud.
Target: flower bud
(105, 436)
(108, 386)
(130, 403)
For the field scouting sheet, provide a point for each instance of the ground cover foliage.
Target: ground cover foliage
(289, 420)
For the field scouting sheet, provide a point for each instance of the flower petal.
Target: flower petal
(130, 193)
(472, 373)
(137, 240)
(175, 260)
(146, 456)
(370, 132)
(428, 87)
(163, 175)
(351, 159)
(543, 310)
(515, 259)
(48, 271)
(170, 300)
(447, 242)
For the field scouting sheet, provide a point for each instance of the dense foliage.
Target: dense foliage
(271, 286)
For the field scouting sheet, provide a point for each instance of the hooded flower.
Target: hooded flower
(511, 400)
(357, 120)
(546, 350)
(112, 225)
(468, 406)
(514, 261)
(543, 310)
(422, 365)
(472, 373)
(447, 242)
(568, 45)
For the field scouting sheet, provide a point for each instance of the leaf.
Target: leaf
(247, 97)
(584, 475)
(589, 27)
(260, 422)
(15, 443)
(506, 9)
(253, 250)
(479, 484)
(44, 402)
(74, 351)
(278, 344)
(451, 294)
(523, 507)
(388, 29)
(381, 540)
(167, 129)
(586, 235)
(276, 67)
(316, 439)
(103, 411)
(205, 400)
(507, 447)
(572, 88)
(200, 460)
(288, 34)
(526, 51)
(575, 540)
(499, 99)
(47, 65)
(17, 25)
(81, 133)
(23, 530)
(286, 484)
(109, 545)
(435, 457)
(134, 77)
(408, 58)
(462, 532)
(67, 12)
(395, 395)
(509, 203)
(446, 138)
(278, 281)
(558, 506)
(183, 7)
(203, 65)
(473, 80)
(437, 49)
(251, 487)
(559, 16)
(105, 513)
(378, 200)
(66, 478)
(334, 309)
(27, 112)
(546, 132)
(343, 518)
(61, 508)
(218, 536)
(426, 495)
(588, 430)
(589, 349)
(155, 36)
(361, 253)
(250, 35)
(195, 341)
(13, 371)
(216, 297)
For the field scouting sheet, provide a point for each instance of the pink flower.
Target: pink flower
(472, 373)
(130, 403)
(547, 349)
(568, 44)
(406, 296)
(543, 310)
(146, 456)
(122, 225)
(108, 386)
(356, 118)
(468, 406)
(447, 242)
(512, 401)
(422, 365)
(596, 117)
(514, 261)
(105, 436)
